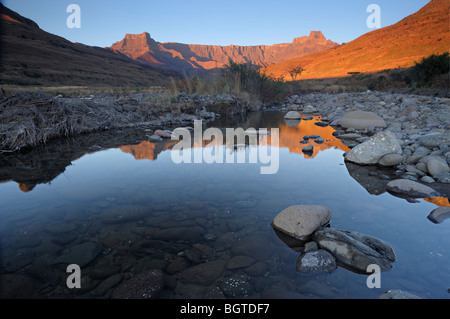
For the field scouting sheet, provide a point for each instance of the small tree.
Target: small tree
(295, 72)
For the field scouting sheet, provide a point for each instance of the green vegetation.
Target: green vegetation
(425, 72)
(242, 80)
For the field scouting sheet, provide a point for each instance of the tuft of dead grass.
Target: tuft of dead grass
(28, 119)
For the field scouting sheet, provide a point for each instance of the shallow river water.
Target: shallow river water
(126, 209)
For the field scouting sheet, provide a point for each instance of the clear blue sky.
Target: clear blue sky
(243, 22)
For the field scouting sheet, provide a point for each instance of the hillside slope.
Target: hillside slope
(421, 34)
(31, 56)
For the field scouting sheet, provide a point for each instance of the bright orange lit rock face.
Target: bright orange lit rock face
(421, 34)
(8, 18)
(440, 201)
(143, 48)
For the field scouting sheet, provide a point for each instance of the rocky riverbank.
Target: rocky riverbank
(33, 118)
(406, 132)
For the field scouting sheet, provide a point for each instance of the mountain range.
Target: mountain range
(421, 34)
(32, 56)
(190, 57)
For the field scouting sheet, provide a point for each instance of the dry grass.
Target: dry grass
(31, 118)
(78, 90)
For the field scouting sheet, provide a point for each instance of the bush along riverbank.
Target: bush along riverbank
(31, 118)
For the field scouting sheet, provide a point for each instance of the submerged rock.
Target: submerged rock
(316, 262)
(355, 251)
(145, 285)
(203, 274)
(123, 214)
(374, 149)
(239, 262)
(81, 254)
(301, 221)
(235, 286)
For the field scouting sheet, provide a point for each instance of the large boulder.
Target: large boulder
(373, 150)
(301, 221)
(411, 189)
(355, 251)
(361, 120)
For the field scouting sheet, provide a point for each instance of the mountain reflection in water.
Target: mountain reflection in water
(290, 137)
(43, 164)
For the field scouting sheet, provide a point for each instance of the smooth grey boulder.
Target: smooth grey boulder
(361, 120)
(316, 262)
(390, 160)
(439, 215)
(155, 138)
(434, 140)
(293, 115)
(374, 149)
(411, 189)
(301, 221)
(437, 167)
(354, 250)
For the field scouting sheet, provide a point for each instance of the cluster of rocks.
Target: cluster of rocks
(406, 132)
(324, 248)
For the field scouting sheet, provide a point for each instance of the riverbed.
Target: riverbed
(122, 210)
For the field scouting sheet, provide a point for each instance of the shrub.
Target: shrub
(236, 79)
(424, 72)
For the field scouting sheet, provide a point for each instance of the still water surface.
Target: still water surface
(174, 216)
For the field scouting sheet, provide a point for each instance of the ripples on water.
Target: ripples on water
(172, 217)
